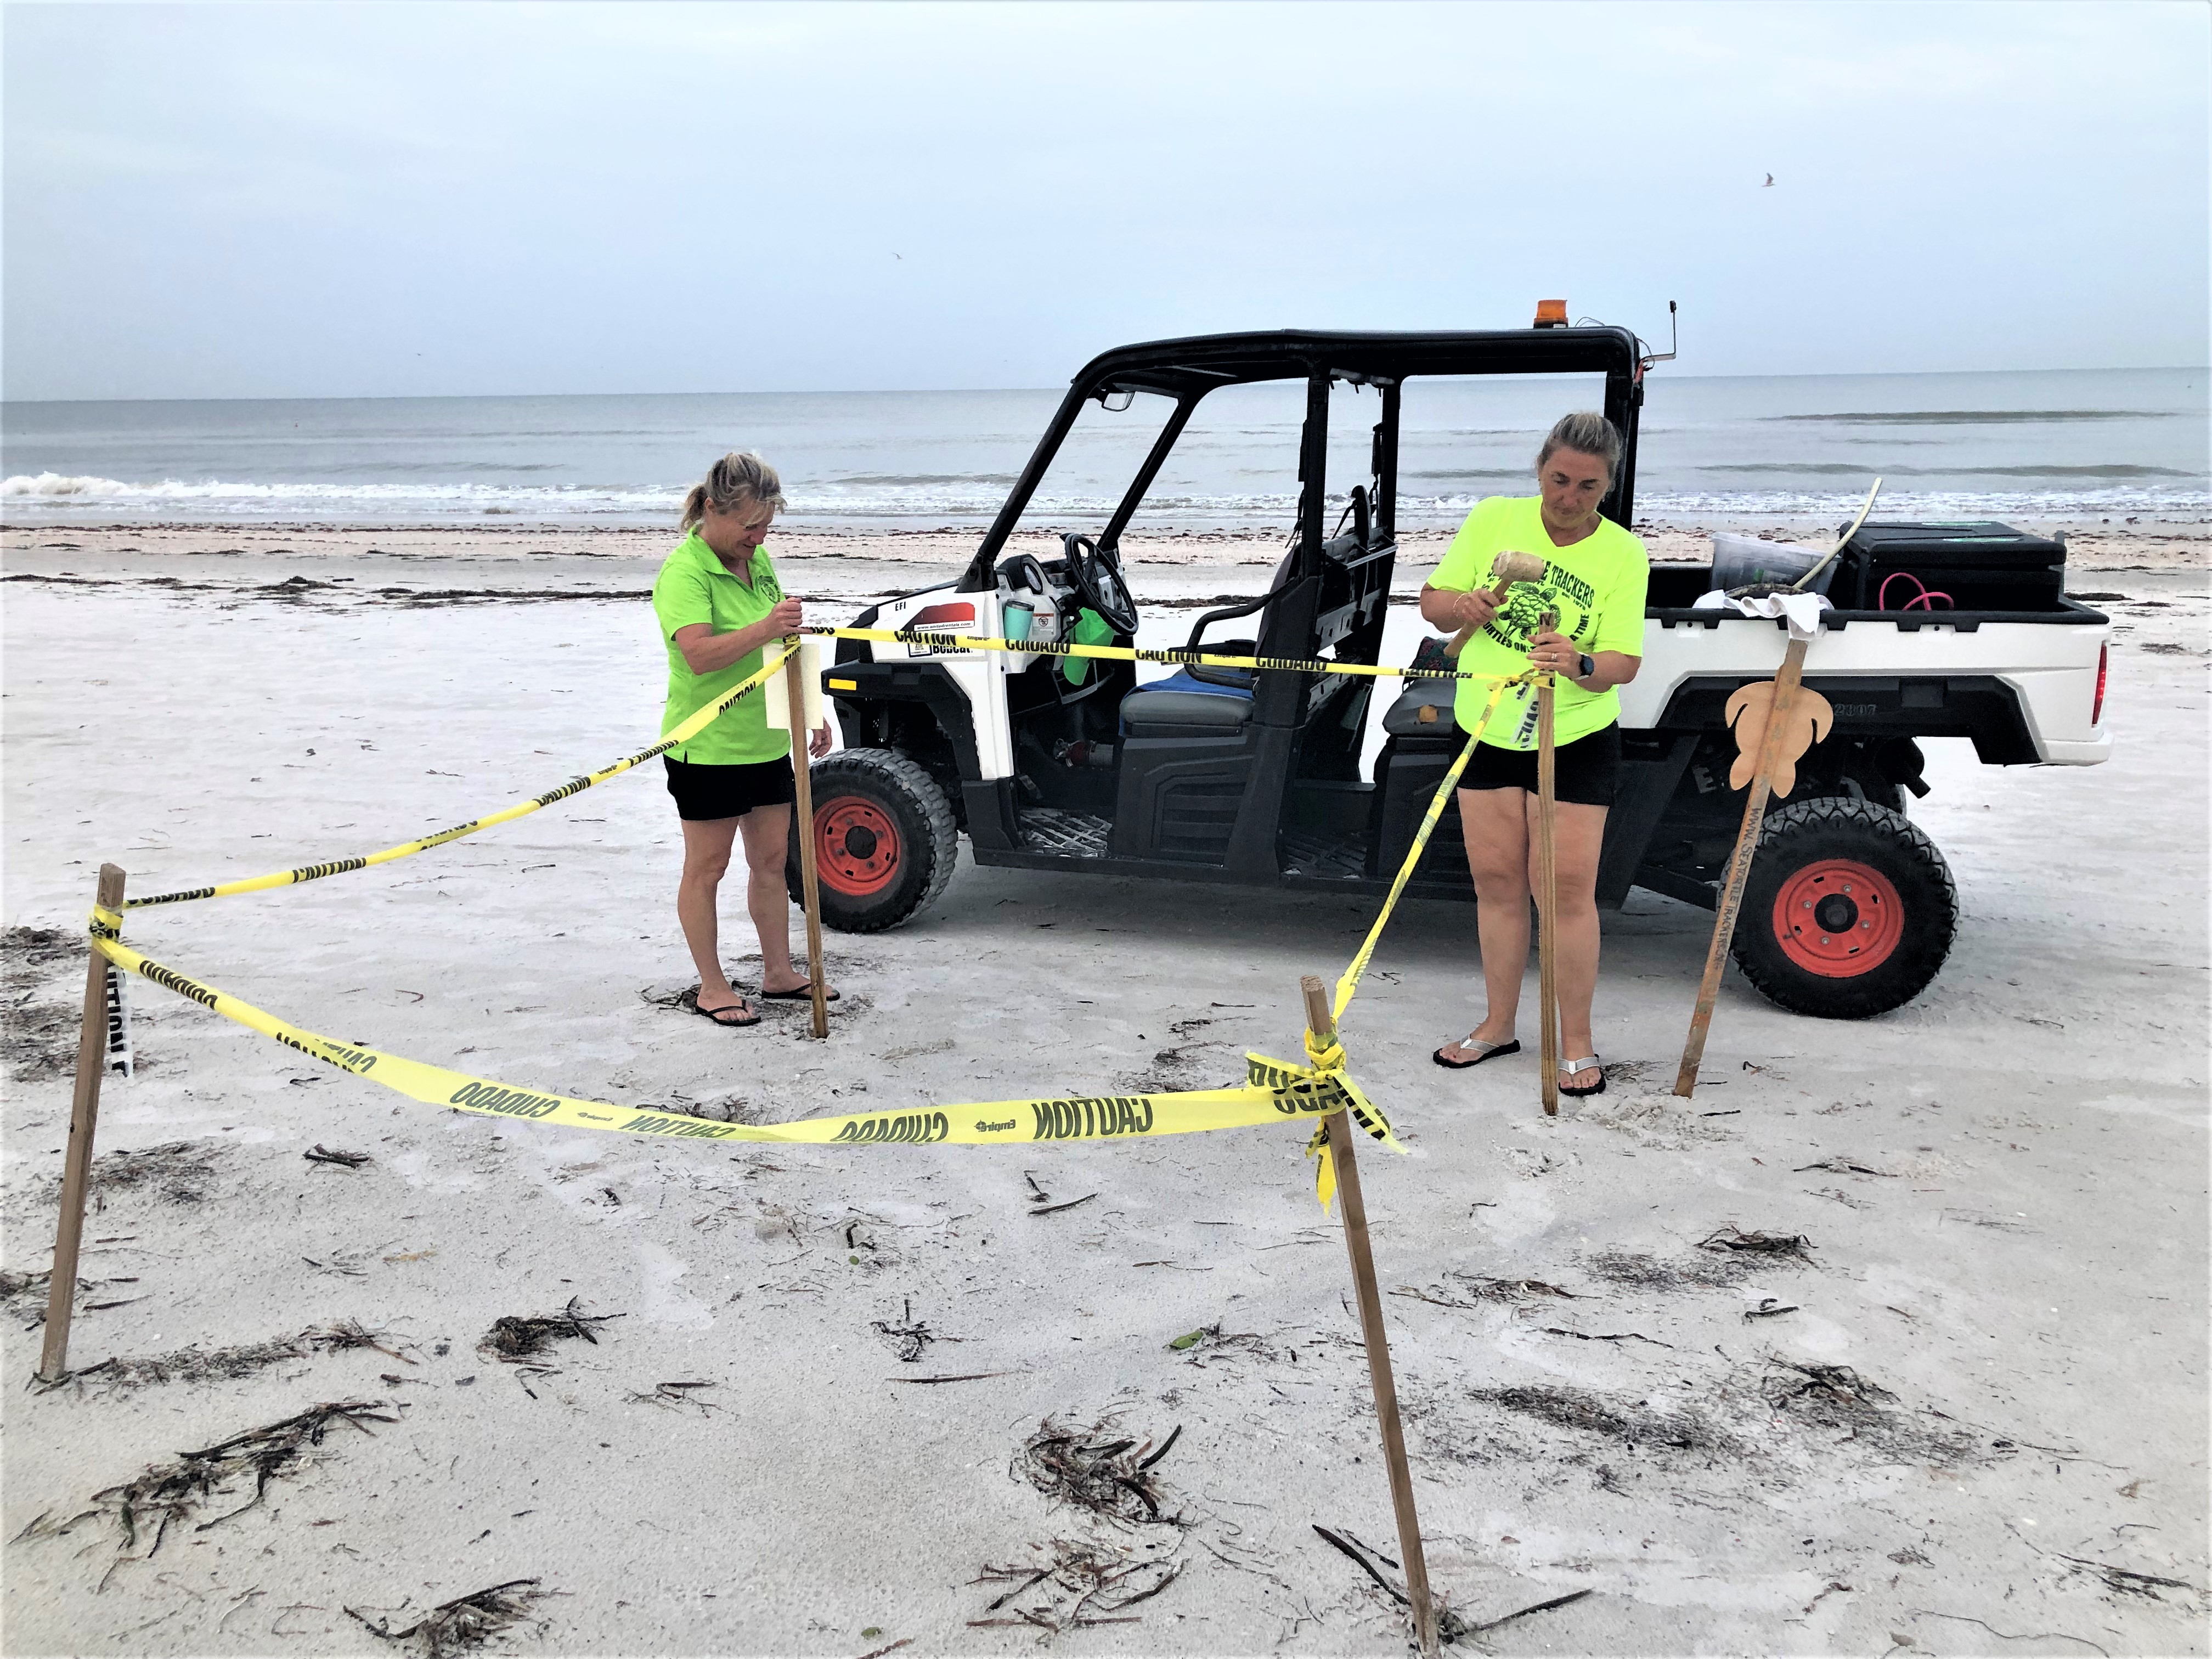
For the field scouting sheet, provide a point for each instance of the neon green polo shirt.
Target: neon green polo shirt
(1597, 585)
(693, 585)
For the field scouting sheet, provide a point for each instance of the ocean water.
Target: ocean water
(2031, 445)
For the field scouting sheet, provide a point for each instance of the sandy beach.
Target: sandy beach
(851, 1402)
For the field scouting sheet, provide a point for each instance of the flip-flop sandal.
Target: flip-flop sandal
(800, 994)
(1489, 1051)
(1568, 1067)
(751, 1016)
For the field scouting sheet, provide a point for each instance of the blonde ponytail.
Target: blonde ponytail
(738, 477)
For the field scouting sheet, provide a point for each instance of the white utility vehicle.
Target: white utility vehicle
(1256, 778)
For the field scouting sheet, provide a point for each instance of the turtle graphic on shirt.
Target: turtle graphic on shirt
(1519, 620)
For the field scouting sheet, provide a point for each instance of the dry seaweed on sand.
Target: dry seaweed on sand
(466, 1621)
(37, 1039)
(1714, 1271)
(1838, 1164)
(27, 952)
(671, 1394)
(23, 1296)
(209, 1364)
(910, 1336)
(169, 1494)
(1732, 1238)
(1210, 1340)
(177, 1171)
(1837, 1397)
(1083, 1584)
(1837, 1392)
(1631, 1423)
(514, 1337)
(2125, 1581)
(1096, 1468)
(1485, 1289)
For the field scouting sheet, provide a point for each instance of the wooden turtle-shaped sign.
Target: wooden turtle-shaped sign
(1810, 717)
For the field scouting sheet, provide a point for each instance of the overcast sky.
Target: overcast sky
(334, 200)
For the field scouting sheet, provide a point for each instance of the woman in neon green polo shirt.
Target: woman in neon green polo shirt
(719, 604)
(1595, 576)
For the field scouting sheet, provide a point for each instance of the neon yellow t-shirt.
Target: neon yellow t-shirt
(693, 585)
(1597, 585)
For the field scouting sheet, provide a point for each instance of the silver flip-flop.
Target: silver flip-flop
(1568, 1067)
(1489, 1051)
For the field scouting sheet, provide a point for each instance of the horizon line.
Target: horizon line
(939, 391)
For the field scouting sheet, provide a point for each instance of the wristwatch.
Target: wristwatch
(1586, 665)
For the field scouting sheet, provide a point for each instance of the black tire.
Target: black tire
(1872, 906)
(884, 837)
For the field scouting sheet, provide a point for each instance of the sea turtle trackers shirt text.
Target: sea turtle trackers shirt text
(1596, 587)
(695, 587)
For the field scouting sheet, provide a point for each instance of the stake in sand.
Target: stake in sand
(1794, 717)
(1341, 1133)
(76, 1163)
(1547, 882)
(801, 701)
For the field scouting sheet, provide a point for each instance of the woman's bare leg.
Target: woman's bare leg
(707, 843)
(766, 832)
(1497, 832)
(1578, 835)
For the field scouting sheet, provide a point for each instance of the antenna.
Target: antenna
(1673, 342)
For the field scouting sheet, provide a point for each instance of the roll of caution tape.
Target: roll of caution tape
(1274, 1092)
(690, 728)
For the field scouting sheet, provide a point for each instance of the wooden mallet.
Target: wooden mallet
(1508, 568)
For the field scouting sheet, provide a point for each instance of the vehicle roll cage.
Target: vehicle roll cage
(1186, 370)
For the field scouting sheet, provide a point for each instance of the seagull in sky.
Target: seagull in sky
(1769, 184)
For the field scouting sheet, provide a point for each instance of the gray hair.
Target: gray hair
(738, 477)
(1586, 433)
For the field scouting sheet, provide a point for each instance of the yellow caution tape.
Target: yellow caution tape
(690, 728)
(1350, 983)
(1131, 653)
(1273, 1091)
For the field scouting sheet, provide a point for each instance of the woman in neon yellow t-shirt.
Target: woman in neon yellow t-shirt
(1593, 580)
(719, 604)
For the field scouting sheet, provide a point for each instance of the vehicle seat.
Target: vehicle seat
(1181, 706)
(1423, 709)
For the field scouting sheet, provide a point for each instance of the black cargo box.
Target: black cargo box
(1982, 566)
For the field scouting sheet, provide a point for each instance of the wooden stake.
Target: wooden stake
(802, 779)
(1342, 1133)
(1739, 870)
(77, 1162)
(1547, 886)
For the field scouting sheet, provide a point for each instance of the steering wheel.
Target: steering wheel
(1096, 573)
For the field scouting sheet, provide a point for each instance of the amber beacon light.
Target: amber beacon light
(1551, 314)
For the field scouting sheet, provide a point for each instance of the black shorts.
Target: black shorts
(1585, 771)
(729, 791)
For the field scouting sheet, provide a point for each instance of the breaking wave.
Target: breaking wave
(1430, 498)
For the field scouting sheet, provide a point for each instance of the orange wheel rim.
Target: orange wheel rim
(1838, 919)
(856, 847)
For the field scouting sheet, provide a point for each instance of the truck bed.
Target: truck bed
(2022, 685)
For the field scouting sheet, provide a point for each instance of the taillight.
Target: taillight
(2097, 708)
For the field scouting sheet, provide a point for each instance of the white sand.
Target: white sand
(2028, 1273)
